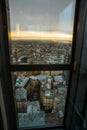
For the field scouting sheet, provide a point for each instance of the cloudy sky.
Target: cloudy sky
(42, 15)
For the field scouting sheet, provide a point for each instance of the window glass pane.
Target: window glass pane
(41, 31)
(40, 97)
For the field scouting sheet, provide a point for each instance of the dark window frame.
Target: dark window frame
(7, 68)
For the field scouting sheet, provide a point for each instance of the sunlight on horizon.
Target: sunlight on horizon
(32, 35)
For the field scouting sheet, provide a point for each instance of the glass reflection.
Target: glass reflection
(40, 97)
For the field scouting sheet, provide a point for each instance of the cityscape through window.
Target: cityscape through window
(40, 97)
(41, 31)
(41, 34)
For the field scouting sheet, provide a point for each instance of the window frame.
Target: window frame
(7, 68)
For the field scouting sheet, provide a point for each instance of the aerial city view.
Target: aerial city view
(40, 97)
(40, 47)
(40, 52)
(40, 35)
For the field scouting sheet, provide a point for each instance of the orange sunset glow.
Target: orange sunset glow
(32, 35)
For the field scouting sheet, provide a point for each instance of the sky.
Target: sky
(42, 15)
